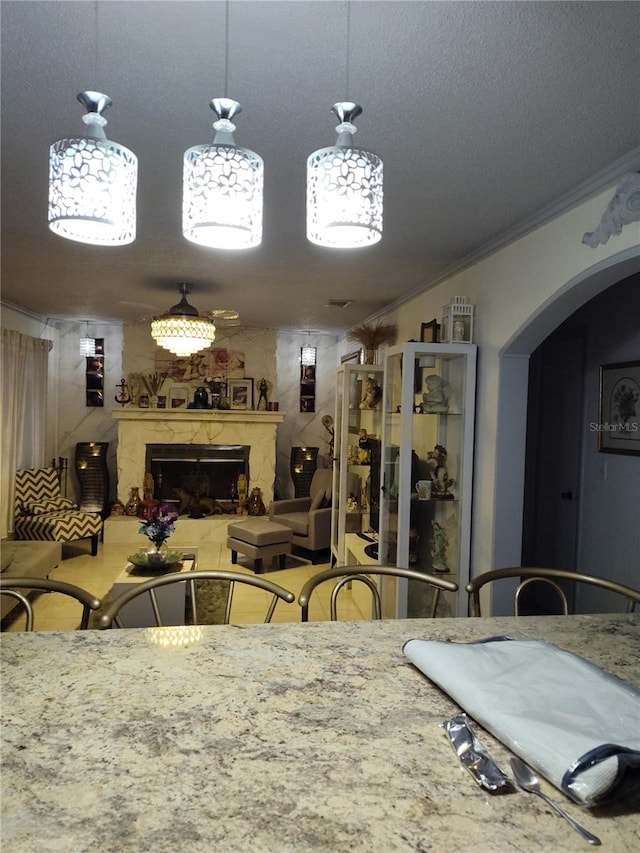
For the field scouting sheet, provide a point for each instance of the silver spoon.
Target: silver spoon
(528, 781)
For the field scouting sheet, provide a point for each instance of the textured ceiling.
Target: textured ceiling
(483, 113)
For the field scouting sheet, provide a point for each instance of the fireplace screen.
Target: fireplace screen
(198, 479)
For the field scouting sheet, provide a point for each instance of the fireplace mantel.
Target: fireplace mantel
(132, 413)
(139, 427)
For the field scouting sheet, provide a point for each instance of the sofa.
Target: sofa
(26, 559)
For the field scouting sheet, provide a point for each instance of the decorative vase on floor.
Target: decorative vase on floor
(255, 504)
(133, 504)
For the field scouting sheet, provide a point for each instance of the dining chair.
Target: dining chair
(363, 574)
(11, 587)
(530, 575)
(110, 615)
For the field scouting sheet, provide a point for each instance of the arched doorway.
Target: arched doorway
(512, 404)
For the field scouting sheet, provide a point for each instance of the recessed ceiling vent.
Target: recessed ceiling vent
(338, 303)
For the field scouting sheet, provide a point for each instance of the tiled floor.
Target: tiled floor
(53, 612)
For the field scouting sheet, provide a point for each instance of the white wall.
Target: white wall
(513, 291)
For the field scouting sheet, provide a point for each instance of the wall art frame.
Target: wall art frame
(618, 427)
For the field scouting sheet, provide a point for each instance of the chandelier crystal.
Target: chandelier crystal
(222, 188)
(182, 330)
(344, 189)
(93, 182)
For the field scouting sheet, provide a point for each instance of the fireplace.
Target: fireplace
(138, 428)
(197, 475)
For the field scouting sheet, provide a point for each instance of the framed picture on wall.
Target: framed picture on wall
(619, 417)
(240, 393)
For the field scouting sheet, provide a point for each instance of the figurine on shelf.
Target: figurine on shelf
(439, 543)
(440, 480)
(264, 392)
(352, 504)
(434, 399)
(372, 394)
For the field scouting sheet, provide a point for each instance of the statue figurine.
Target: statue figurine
(372, 394)
(264, 390)
(439, 543)
(440, 480)
(434, 399)
(148, 486)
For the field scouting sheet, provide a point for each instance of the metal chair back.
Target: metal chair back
(364, 574)
(110, 615)
(531, 574)
(86, 599)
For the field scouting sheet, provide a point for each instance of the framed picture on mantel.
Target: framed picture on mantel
(240, 392)
(179, 397)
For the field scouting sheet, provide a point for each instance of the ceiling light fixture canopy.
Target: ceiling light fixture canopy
(344, 189)
(222, 188)
(182, 330)
(93, 182)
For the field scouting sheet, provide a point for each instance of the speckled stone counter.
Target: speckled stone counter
(314, 737)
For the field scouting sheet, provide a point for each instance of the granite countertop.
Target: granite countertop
(297, 737)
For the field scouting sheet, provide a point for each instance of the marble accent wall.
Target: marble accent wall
(75, 421)
(301, 429)
(139, 427)
(272, 355)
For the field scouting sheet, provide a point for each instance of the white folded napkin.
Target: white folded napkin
(572, 722)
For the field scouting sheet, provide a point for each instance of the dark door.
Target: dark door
(554, 446)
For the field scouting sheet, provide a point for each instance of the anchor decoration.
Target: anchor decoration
(123, 397)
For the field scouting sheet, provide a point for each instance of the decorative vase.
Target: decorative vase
(369, 356)
(157, 554)
(133, 504)
(255, 504)
(201, 398)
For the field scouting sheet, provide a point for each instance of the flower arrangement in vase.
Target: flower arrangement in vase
(370, 337)
(153, 382)
(158, 525)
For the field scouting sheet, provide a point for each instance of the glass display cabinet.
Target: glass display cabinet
(427, 473)
(356, 463)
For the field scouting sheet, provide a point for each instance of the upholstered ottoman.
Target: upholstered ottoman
(259, 539)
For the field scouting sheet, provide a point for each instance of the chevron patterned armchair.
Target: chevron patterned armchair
(42, 513)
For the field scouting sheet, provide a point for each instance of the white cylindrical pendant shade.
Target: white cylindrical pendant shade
(222, 196)
(92, 191)
(344, 198)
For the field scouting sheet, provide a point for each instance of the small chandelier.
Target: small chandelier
(93, 182)
(222, 188)
(87, 344)
(344, 189)
(182, 330)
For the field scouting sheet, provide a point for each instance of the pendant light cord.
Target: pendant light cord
(347, 82)
(226, 48)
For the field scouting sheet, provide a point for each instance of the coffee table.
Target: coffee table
(172, 599)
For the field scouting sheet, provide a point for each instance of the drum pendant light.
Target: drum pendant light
(344, 189)
(222, 188)
(93, 183)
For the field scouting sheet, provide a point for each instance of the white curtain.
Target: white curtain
(23, 396)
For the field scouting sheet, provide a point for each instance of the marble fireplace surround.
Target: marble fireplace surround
(139, 427)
